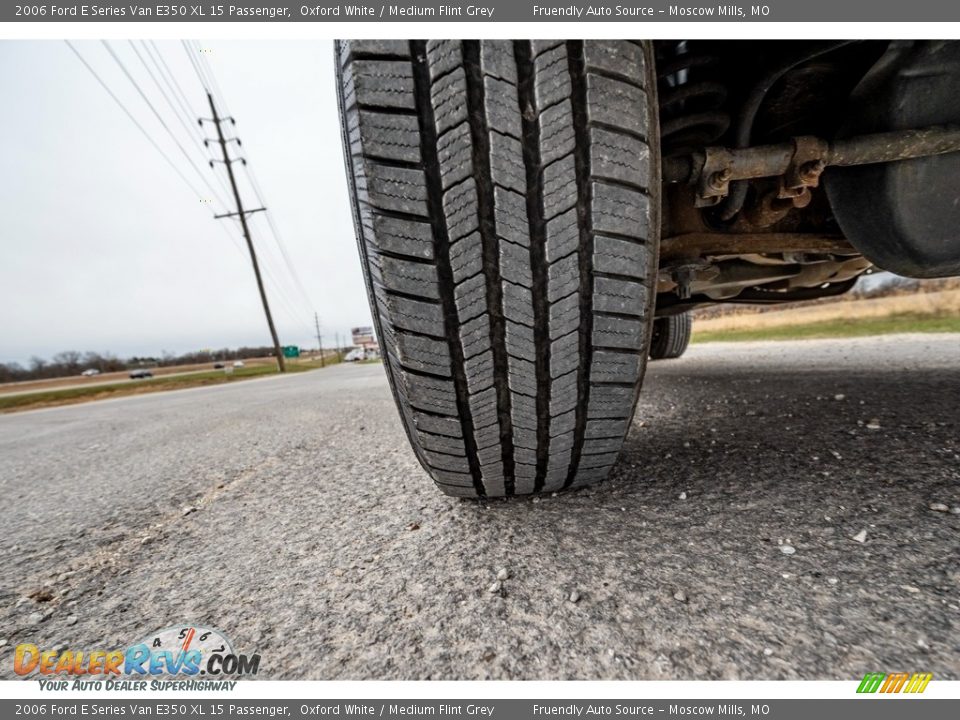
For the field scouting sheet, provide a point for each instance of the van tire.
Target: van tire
(506, 202)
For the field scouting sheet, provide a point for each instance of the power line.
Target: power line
(196, 67)
(186, 110)
(133, 119)
(185, 103)
(275, 231)
(185, 125)
(159, 117)
(215, 85)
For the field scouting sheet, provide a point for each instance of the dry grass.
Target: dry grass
(942, 304)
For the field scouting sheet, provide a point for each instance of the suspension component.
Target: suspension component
(800, 162)
(691, 101)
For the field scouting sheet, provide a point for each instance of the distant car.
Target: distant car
(140, 374)
(238, 363)
(356, 355)
(90, 372)
(218, 366)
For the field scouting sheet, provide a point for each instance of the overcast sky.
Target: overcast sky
(105, 248)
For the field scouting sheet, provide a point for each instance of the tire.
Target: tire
(671, 335)
(506, 199)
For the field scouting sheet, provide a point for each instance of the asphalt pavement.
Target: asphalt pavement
(780, 510)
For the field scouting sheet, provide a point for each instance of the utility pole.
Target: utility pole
(316, 320)
(242, 214)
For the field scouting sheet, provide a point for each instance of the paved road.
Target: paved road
(290, 513)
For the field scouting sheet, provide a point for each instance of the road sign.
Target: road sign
(291, 351)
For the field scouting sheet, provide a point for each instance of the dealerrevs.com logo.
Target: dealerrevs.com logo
(186, 651)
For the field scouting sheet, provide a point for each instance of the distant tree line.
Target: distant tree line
(71, 362)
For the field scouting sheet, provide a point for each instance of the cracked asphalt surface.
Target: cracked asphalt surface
(290, 513)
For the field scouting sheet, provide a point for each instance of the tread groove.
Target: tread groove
(428, 146)
(538, 260)
(581, 133)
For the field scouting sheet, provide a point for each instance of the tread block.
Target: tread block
(397, 235)
(563, 235)
(398, 189)
(475, 336)
(422, 353)
(564, 355)
(383, 83)
(616, 103)
(519, 341)
(496, 59)
(563, 278)
(562, 443)
(522, 377)
(422, 317)
(466, 257)
(619, 210)
(448, 426)
(610, 366)
(559, 187)
(479, 371)
(441, 443)
(563, 423)
(460, 209)
(506, 162)
(446, 96)
(610, 401)
(387, 135)
(619, 296)
(413, 278)
(430, 393)
(483, 406)
(442, 461)
(606, 428)
(515, 264)
(621, 57)
(619, 157)
(551, 76)
(557, 137)
(510, 214)
(526, 439)
(518, 303)
(448, 478)
(564, 316)
(471, 298)
(601, 460)
(538, 47)
(456, 490)
(622, 257)
(455, 154)
(502, 107)
(597, 446)
(352, 48)
(617, 332)
(443, 56)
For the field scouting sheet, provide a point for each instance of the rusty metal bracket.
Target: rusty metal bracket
(799, 162)
(806, 165)
(715, 174)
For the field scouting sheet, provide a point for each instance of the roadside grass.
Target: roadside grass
(70, 396)
(835, 328)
